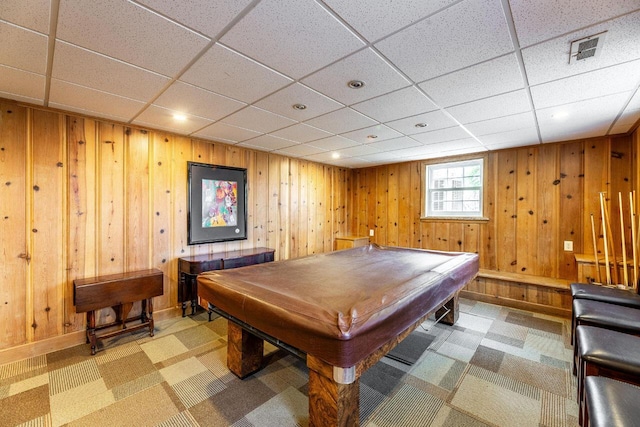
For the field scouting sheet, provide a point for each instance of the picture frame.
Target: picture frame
(217, 203)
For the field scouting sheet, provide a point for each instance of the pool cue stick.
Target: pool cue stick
(614, 259)
(595, 249)
(633, 239)
(625, 273)
(604, 236)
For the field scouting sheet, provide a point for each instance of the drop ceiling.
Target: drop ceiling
(441, 77)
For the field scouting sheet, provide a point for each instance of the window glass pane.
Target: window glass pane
(454, 189)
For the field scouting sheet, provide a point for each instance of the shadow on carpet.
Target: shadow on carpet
(411, 348)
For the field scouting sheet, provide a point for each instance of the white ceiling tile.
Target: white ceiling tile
(395, 144)
(267, 143)
(282, 103)
(536, 21)
(519, 137)
(582, 119)
(205, 16)
(393, 106)
(424, 50)
(258, 120)
(301, 133)
(326, 157)
(444, 150)
(550, 60)
(299, 150)
(22, 83)
(434, 120)
(226, 132)
(634, 103)
(32, 14)
(350, 162)
(503, 124)
(88, 101)
(291, 36)
(507, 144)
(442, 135)
(229, 73)
(358, 150)
(340, 121)
(162, 118)
(490, 78)
(375, 20)
(192, 100)
(22, 48)
(128, 32)
(367, 66)
(597, 83)
(86, 68)
(335, 142)
(490, 108)
(380, 132)
(625, 122)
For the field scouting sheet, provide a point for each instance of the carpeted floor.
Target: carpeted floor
(496, 367)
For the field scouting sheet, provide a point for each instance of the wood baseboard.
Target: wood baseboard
(61, 342)
(513, 303)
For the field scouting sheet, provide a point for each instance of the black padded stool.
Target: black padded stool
(607, 353)
(611, 403)
(605, 294)
(604, 315)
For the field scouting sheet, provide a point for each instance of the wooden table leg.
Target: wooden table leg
(244, 351)
(91, 330)
(454, 311)
(331, 404)
(150, 316)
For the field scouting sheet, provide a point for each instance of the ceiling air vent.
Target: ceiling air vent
(587, 47)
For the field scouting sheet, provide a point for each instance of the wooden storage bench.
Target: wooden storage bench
(118, 291)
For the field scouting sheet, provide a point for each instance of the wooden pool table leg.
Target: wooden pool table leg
(244, 351)
(331, 404)
(454, 311)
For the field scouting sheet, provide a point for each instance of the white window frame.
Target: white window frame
(455, 189)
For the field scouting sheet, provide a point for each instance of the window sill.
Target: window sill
(472, 219)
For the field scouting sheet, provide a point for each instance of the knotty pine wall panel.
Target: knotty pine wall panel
(83, 197)
(14, 256)
(535, 198)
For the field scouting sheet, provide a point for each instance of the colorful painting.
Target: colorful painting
(219, 203)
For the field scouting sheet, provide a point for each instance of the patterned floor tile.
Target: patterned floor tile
(181, 371)
(125, 369)
(409, 407)
(289, 408)
(163, 348)
(498, 405)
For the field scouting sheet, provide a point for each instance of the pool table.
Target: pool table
(342, 311)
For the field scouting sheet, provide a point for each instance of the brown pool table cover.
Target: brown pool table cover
(340, 306)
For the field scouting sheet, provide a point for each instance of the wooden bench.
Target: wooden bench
(118, 291)
(522, 291)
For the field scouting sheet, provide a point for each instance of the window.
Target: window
(454, 189)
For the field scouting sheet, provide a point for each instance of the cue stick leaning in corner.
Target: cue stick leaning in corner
(625, 273)
(634, 244)
(604, 236)
(595, 250)
(614, 259)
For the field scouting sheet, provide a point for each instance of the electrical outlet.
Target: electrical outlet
(568, 246)
(371, 233)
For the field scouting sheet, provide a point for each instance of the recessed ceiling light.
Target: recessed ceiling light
(335, 155)
(180, 117)
(372, 136)
(421, 125)
(299, 106)
(560, 115)
(356, 84)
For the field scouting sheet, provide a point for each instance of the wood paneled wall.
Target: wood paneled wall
(535, 199)
(81, 197)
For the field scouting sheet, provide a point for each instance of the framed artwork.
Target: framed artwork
(217, 203)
